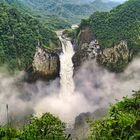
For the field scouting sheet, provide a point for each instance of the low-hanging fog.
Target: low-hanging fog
(95, 88)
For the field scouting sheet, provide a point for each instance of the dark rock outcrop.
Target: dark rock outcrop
(81, 128)
(86, 52)
(45, 66)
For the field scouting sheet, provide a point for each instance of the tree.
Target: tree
(47, 127)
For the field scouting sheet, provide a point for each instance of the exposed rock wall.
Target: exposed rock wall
(87, 47)
(45, 66)
(86, 52)
(115, 58)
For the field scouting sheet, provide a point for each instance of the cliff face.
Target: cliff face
(81, 128)
(87, 51)
(88, 47)
(45, 65)
(115, 58)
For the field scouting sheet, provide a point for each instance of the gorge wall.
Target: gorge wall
(45, 65)
(115, 58)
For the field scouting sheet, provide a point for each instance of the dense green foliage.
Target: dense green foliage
(122, 122)
(121, 23)
(50, 21)
(53, 22)
(70, 10)
(47, 127)
(19, 35)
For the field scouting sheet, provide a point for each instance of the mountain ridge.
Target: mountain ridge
(72, 11)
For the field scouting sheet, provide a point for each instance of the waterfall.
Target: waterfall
(66, 67)
(67, 102)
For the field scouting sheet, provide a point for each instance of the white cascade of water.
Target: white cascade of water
(66, 68)
(65, 104)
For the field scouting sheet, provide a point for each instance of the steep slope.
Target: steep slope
(110, 29)
(19, 36)
(72, 11)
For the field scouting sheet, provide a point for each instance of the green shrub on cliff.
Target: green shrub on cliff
(70, 33)
(122, 122)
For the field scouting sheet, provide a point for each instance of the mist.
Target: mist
(95, 88)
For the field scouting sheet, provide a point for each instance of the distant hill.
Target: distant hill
(51, 21)
(72, 11)
(61, 13)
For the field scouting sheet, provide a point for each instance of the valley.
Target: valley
(69, 70)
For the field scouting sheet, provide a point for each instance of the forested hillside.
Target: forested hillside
(19, 35)
(72, 11)
(121, 23)
(52, 22)
(60, 14)
(47, 127)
